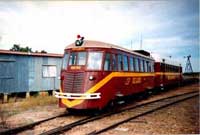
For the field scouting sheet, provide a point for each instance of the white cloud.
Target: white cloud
(54, 24)
(57, 23)
(170, 41)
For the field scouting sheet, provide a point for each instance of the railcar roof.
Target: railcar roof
(99, 44)
(169, 62)
(159, 59)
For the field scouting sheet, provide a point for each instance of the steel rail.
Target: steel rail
(67, 127)
(185, 97)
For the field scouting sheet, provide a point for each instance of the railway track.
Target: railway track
(29, 126)
(147, 108)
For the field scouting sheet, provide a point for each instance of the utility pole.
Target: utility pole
(188, 67)
(131, 45)
(141, 42)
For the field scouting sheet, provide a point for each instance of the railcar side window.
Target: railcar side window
(177, 70)
(141, 65)
(131, 64)
(65, 61)
(120, 63)
(145, 65)
(149, 66)
(114, 62)
(162, 67)
(94, 60)
(137, 64)
(134, 66)
(107, 64)
(167, 68)
(81, 58)
(125, 63)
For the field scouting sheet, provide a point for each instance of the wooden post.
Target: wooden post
(53, 93)
(43, 93)
(5, 97)
(27, 94)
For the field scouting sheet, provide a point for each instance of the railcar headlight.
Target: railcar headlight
(91, 78)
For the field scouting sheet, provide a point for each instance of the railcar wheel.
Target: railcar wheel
(111, 105)
(162, 88)
(150, 92)
(144, 95)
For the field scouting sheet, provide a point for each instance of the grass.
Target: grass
(27, 103)
(38, 101)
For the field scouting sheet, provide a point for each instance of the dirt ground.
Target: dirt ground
(32, 115)
(182, 118)
(19, 113)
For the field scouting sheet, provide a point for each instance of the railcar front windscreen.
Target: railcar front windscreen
(81, 58)
(94, 60)
(77, 58)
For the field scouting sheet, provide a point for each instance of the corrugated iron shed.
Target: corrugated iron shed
(25, 72)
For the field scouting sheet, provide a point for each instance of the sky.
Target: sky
(165, 28)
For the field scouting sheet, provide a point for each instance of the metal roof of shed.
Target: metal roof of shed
(30, 54)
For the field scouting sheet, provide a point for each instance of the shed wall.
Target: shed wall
(22, 73)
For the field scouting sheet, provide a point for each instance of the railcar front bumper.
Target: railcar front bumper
(78, 95)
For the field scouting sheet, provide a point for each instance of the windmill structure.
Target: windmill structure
(188, 67)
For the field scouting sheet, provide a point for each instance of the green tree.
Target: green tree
(17, 48)
(43, 51)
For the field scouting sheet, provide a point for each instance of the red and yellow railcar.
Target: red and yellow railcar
(167, 73)
(95, 73)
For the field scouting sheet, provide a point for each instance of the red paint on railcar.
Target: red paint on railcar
(85, 88)
(167, 74)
